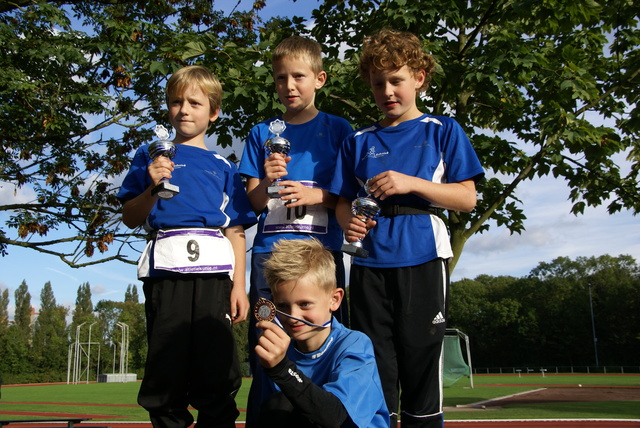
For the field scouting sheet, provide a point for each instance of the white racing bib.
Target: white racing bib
(306, 218)
(193, 250)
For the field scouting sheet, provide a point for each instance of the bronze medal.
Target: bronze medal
(264, 310)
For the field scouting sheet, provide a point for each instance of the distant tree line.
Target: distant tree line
(542, 319)
(38, 346)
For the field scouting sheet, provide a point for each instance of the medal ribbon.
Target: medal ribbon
(279, 312)
(274, 311)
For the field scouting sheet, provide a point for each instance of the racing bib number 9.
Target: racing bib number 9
(193, 251)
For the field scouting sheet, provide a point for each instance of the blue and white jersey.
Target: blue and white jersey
(345, 365)
(211, 190)
(433, 148)
(314, 151)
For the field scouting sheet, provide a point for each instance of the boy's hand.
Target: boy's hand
(275, 166)
(357, 228)
(239, 305)
(390, 183)
(297, 194)
(160, 168)
(272, 344)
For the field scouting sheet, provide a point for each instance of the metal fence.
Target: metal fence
(558, 370)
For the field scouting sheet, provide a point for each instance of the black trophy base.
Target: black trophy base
(273, 190)
(165, 190)
(354, 250)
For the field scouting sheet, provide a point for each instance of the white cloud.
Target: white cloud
(63, 273)
(10, 194)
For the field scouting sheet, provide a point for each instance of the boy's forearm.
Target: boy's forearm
(329, 200)
(320, 406)
(236, 236)
(343, 212)
(453, 196)
(257, 193)
(456, 196)
(239, 302)
(135, 211)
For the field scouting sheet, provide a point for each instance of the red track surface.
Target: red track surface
(448, 424)
(102, 421)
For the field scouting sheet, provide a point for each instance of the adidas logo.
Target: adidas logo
(439, 319)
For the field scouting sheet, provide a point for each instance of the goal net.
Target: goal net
(455, 365)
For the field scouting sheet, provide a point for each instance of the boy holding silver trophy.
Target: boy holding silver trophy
(193, 268)
(289, 161)
(414, 165)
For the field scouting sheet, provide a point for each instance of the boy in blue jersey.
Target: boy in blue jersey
(305, 208)
(193, 268)
(414, 164)
(317, 372)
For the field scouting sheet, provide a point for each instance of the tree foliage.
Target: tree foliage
(4, 310)
(545, 318)
(41, 353)
(83, 310)
(542, 88)
(542, 319)
(50, 334)
(22, 317)
(81, 88)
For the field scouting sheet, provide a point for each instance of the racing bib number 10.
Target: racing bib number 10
(306, 218)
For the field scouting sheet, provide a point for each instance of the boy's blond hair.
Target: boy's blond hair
(391, 50)
(300, 48)
(199, 77)
(293, 259)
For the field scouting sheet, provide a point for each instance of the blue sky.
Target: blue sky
(551, 231)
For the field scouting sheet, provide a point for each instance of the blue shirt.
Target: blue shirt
(211, 191)
(345, 365)
(314, 151)
(433, 148)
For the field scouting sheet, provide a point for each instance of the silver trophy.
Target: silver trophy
(368, 209)
(163, 147)
(280, 145)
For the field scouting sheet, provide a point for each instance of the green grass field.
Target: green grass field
(119, 399)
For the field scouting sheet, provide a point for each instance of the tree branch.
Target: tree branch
(71, 258)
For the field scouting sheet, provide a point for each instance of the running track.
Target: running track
(551, 423)
(104, 421)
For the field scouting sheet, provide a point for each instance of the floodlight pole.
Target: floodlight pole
(77, 361)
(593, 326)
(89, 351)
(124, 348)
(114, 345)
(69, 360)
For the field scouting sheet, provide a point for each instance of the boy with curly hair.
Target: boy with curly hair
(414, 164)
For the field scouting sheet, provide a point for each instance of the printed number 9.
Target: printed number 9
(193, 249)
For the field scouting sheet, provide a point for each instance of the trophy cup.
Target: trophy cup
(367, 208)
(163, 147)
(280, 145)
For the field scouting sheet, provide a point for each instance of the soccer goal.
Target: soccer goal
(454, 364)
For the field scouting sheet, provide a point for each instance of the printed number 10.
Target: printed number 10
(300, 212)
